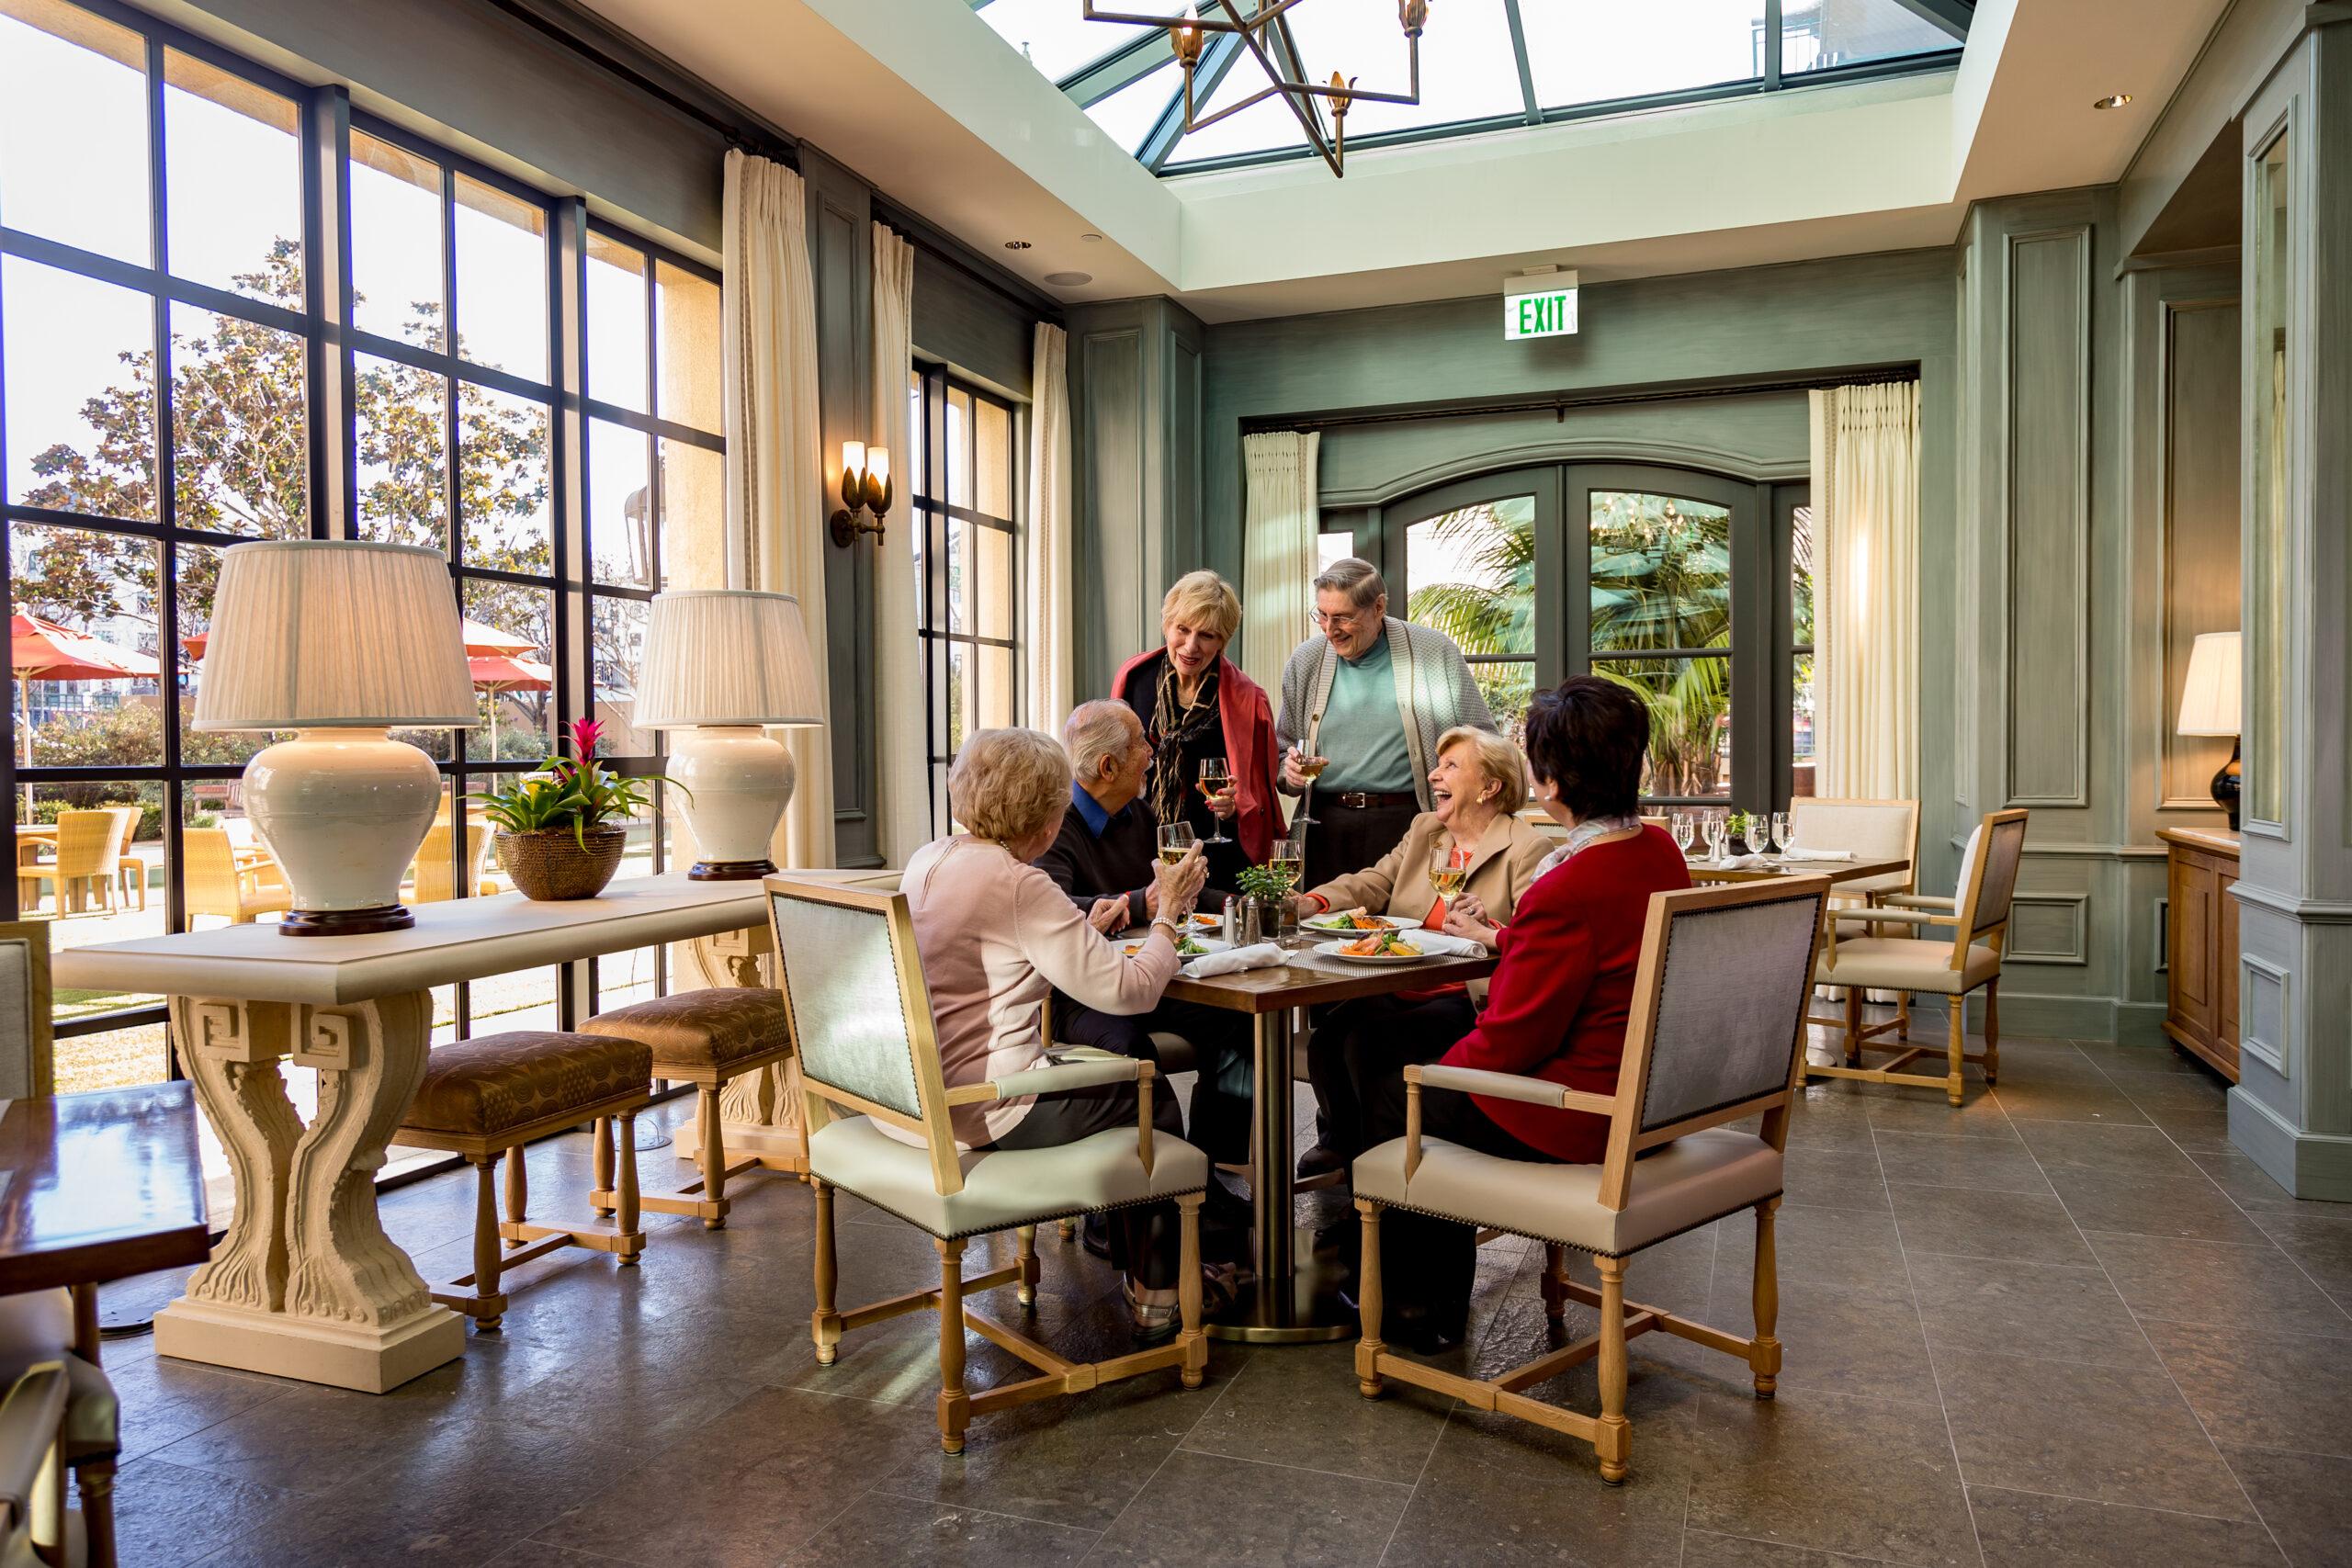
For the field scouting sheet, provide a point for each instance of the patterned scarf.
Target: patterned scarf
(1173, 727)
(1584, 833)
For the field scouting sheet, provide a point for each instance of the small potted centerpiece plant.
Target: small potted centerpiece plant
(1258, 905)
(1737, 826)
(560, 828)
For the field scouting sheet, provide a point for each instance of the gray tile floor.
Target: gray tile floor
(2064, 1324)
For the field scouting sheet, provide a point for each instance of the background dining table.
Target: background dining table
(1295, 1298)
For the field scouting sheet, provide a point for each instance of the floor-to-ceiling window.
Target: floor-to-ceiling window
(1691, 589)
(232, 309)
(963, 520)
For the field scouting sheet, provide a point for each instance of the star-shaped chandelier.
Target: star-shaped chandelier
(1266, 34)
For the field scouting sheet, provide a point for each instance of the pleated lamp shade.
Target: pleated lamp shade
(2209, 698)
(319, 634)
(727, 657)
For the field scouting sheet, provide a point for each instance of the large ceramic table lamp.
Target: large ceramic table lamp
(339, 642)
(2208, 705)
(721, 666)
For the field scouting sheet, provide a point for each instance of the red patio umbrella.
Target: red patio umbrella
(503, 673)
(44, 651)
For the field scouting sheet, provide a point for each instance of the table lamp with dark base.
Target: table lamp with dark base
(2208, 705)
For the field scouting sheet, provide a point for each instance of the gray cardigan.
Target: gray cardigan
(1434, 692)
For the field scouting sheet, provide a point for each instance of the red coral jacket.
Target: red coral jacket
(1248, 720)
(1559, 1003)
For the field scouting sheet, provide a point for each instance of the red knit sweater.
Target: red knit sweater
(1559, 1001)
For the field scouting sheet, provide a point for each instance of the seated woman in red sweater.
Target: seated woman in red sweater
(1559, 1003)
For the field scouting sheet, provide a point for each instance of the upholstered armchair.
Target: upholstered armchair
(32, 1407)
(1855, 955)
(1716, 1036)
(862, 1031)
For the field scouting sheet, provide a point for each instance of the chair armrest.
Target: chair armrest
(1903, 916)
(1919, 901)
(1510, 1085)
(30, 1415)
(1090, 1071)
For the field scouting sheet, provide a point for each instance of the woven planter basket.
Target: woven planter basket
(549, 865)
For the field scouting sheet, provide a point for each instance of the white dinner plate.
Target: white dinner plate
(1331, 950)
(1323, 923)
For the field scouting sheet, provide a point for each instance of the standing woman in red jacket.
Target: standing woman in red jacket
(1197, 707)
(1559, 1003)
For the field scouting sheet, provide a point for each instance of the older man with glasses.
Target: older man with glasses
(1363, 704)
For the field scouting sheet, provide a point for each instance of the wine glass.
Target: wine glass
(1312, 768)
(1781, 839)
(1686, 830)
(1175, 842)
(1718, 830)
(1448, 879)
(1216, 778)
(1287, 861)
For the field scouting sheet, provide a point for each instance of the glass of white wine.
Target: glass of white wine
(1287, 861)
(1175, 842)
(1216, 779)
(1448, 878)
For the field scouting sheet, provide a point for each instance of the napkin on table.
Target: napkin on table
(1234, 960)
(1817, 855)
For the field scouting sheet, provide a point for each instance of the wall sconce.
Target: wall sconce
(866, 492)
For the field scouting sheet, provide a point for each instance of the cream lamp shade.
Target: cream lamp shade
(337, 640)
(317, 633)
(2209, 698)
(727, 657)
(720, 665)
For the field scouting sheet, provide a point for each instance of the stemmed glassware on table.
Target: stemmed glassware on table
(1718, 831)
(1781, 839)
(1216, 780)
(1287, 861)
(1686, 830)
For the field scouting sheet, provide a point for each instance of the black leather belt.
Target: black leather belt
(1364, 800)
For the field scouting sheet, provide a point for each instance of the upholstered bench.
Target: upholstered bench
(491, 1096)
(705, 1038)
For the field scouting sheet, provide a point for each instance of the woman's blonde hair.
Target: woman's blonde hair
(1204, 600)
(1498, 759)
(1008, 784)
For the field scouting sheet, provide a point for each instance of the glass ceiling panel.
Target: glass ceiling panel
(1057, 37)
(1468, 68)
(1591, 51)
(1128, 114)
(1818, 34)
(1263, 127)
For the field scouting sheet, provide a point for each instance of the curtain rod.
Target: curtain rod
(1560, 403)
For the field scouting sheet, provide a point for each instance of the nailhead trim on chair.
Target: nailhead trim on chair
(1032, 1220)
(1562, 1241)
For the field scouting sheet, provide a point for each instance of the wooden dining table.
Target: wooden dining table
(1836, 871)
(1295, 1298)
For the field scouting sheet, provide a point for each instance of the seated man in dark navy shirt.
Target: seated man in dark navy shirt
(1102, 859)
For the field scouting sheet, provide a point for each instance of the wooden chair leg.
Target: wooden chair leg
(626, 1218)
(488, 1258)
(1958, 1044)
(1853, 1026)
(955, 1404)
(1615, 1441)
(1025, 1293)
(1992, 1031)
(1764, 1351)
(714, 1155)
(96, 1482)
(601, 1160)
(1368, 1302)
(825, 1324)
(1903, 1016)
(1556, 1281)
(1188, 1290)
(518, 1192)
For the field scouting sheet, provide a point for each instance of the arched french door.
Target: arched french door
(1692, 588)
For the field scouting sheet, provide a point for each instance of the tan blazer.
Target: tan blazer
(1399, 884)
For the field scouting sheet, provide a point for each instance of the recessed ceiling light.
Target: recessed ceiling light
(2113, 101)
(1091, 238)
(1016, 245)
(1068, 279)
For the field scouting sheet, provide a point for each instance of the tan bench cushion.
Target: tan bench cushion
(1692, 1180)
(501, 1081)
(702, 1029)
(1906, 963)
(1002, 1188)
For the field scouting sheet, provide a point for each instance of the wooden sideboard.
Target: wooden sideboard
(2201, 946)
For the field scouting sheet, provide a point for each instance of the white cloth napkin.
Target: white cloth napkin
(1733, 862)
(1234, 960)
(1817, 855)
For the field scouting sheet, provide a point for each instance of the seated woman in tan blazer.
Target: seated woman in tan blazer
(1477, 787)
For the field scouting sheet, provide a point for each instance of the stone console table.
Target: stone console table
(304, 1283)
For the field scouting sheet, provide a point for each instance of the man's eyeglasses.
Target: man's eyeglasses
(1339, 623)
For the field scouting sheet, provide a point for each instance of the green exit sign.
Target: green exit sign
(1551, 313)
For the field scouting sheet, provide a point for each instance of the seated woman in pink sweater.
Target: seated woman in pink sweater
(997, 936)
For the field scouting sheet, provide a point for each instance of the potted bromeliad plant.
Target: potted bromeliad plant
(560, 828)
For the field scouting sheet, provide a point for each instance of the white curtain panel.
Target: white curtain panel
(903, 778)
(1280, 520)
(1050, 664)
(776, 470)
(1866, 591)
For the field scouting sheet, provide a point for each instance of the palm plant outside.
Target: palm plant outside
(1660, 579)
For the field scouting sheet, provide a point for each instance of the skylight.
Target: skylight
(1485, 65)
